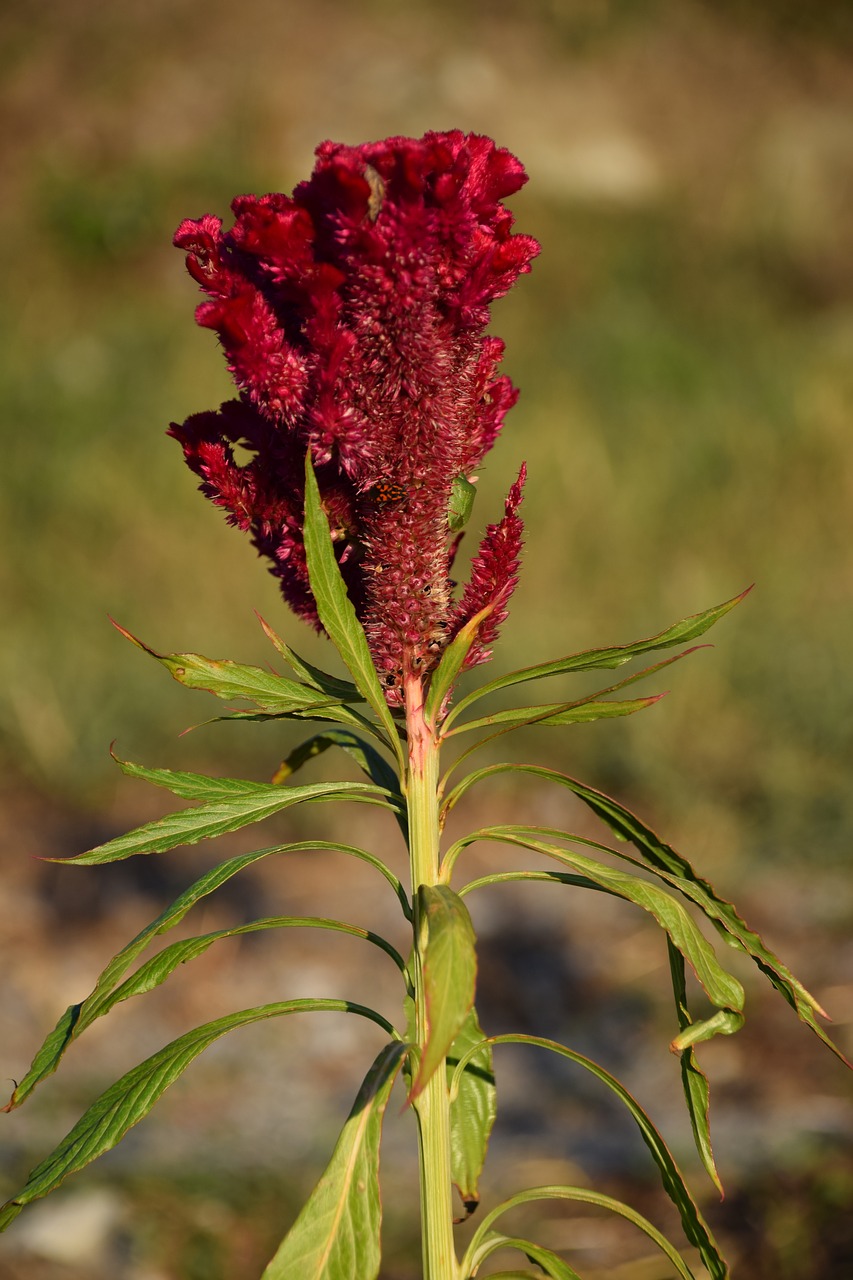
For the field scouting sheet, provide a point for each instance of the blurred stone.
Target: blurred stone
(73, 1229)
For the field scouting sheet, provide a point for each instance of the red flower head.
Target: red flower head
(352, 316)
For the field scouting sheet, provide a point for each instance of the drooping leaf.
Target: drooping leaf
(336, 610)
(226, 679)
(721, 987)
(337, 1233)
(697, 1092)
(368, 760)
(472, 1109)
(236, 803)
(583, 1196)
(77, 1017)
(591, 659)
(695, 1227)
(548, 1262)
(130, 1099)
(663, 858)
(331, 686)
(449, 974)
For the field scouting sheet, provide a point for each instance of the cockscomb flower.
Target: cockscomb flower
(352, 315)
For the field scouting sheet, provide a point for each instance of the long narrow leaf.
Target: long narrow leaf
(335, 608)
(548, 1261)
(331, 686)
(695, 1227)
(77, 1017)
(564, 713)
(680, 633)
(227, 679)
(366, 757)
(555, 713)
(130, 1099)
(244, 803)
(697, 1091)
(663, 857)
(583, 1196)
(721, 987)
(337, 1233)
(334, 712)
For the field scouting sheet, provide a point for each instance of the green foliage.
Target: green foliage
(337, 1232)
(449, 965)
(447, 1058)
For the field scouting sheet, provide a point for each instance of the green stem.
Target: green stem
(432, 1106)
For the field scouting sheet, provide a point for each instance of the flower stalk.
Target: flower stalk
(432, 1104)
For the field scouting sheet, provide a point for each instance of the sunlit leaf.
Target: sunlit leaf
(331, 686)
(591, 659)
(695, 1227)
(548, 1262)
(77, 1017)
(226, 679)
(337, 1233)
(452, 661)
(234, 803)
(556, 713)
(130, 1099)
(335, 608)
(697, 1093)
(662, 857)
(721, 987)
(449, 974)
(582, 1196)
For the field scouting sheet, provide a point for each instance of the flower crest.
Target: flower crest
(352, 316)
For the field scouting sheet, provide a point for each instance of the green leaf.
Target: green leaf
(331, 686)
(337, 1233)
(550, 1264)
(695, 1227)
(722, 988)
(449, 972)
(582, 1196)
(668, 862)
(452, 661)
(78, 1017)
(336, 611)
(126, 1102)
(226, 679)
(554, 713)
(235, 803)
(473, 1106)
(697, 1092)
(593, 659)
(366, 757)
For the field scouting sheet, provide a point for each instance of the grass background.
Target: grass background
(683, 352)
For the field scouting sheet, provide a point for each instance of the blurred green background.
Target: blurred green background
(683, 349)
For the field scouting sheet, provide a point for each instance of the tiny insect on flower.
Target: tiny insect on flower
(386, 492)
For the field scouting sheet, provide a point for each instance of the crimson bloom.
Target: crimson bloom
(352, 314)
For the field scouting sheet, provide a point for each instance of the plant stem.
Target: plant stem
(432, 1106)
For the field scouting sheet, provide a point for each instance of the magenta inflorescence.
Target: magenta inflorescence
(352, 315)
